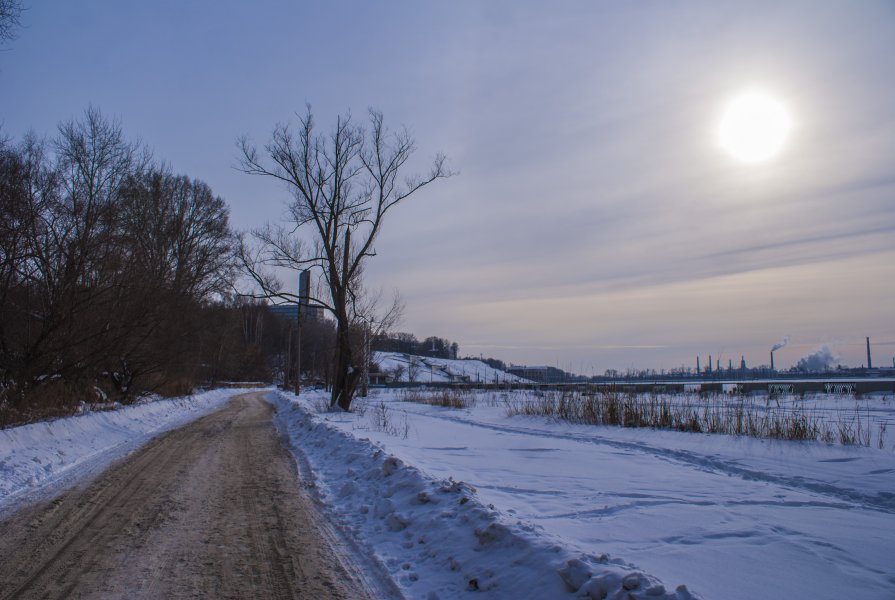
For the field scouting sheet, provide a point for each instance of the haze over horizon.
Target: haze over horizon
(596, 223)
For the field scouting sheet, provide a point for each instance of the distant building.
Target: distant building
(312, 313)
(308, 311)
(286, 311)
(290, 312)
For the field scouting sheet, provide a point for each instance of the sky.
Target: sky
(594, 223)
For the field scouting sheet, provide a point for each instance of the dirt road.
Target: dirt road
(211, 510)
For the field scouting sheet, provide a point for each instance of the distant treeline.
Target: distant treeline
(115, 277)
(433, 346)
(407, 343)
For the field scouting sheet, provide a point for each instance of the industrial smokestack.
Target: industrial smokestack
(869, 364)
(779, 345)
(697, 364)
(772, 360)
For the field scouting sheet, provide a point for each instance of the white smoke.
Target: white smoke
(779, 345)
(821, 359)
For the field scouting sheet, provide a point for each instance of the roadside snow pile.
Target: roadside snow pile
(436, 538)
(423, 369)
(38, 455)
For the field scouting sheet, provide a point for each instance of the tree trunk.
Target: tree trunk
(346, 375)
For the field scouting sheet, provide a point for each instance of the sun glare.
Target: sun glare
(754, 127)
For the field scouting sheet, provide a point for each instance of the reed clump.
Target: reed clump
(742, 415)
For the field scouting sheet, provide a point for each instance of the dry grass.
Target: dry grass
(745, 416)
(58, 398)
(382, 419)
(445, 397)
(48, 401)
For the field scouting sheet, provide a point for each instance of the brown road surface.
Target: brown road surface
(211, 510)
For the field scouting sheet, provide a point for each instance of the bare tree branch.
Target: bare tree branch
(342, 185)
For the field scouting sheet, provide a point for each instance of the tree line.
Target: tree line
(116, 275)
(407, 343)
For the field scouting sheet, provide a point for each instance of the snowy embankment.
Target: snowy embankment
(424, 369)
(438, 538)
(44, 457)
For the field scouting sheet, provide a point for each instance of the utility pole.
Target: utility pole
(288, 363)
(365, 391)
(298, 354)
(304, 294)
(368, 354)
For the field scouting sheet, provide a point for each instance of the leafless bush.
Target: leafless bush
(383, 420)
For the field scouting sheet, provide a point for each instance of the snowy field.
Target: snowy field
(41, 458)
(436, 536)
(733, 518)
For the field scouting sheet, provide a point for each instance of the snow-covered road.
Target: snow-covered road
(732, 517)
(213, 509)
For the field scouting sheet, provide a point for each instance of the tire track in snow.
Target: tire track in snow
(882, 502)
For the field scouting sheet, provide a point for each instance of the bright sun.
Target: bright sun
(754, 127)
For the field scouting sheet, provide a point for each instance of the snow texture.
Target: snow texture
(40, 458)
(545, 507)
(437, 537)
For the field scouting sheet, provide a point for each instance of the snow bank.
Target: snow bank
(435, 537)
(45, 456)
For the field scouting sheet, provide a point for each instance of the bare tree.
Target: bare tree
(413, 369)
(342, 184)
(10, 15)
(398, 373)
(107, 266)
